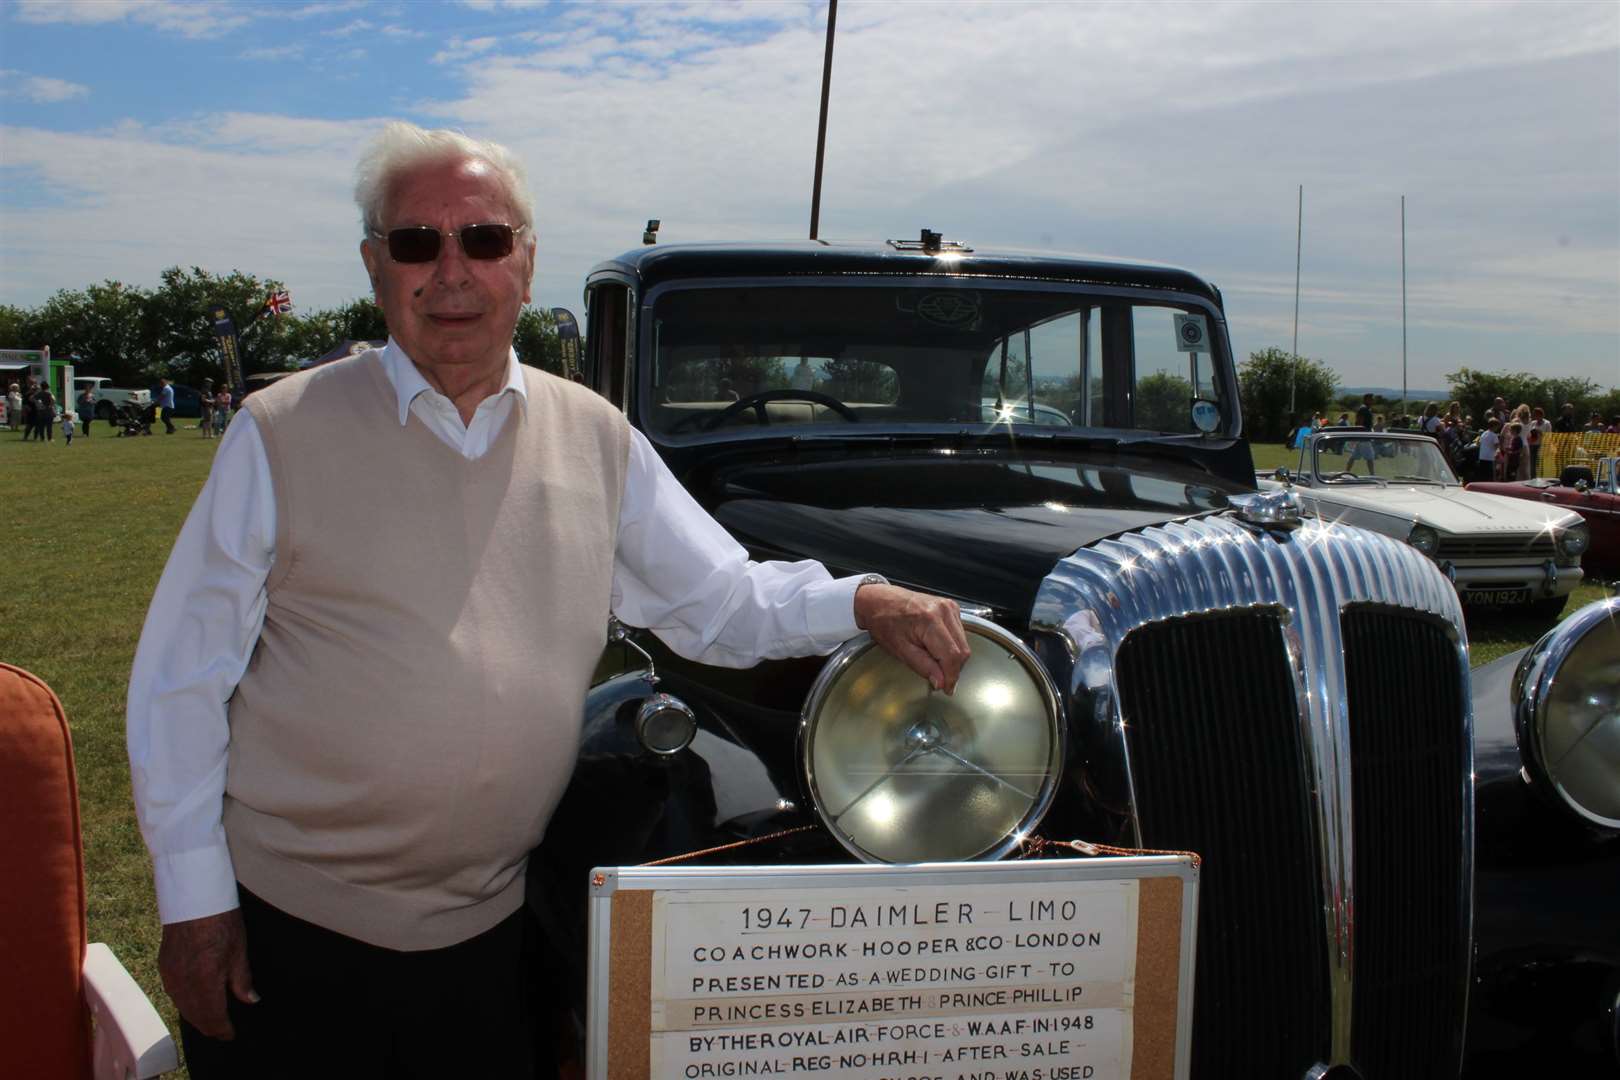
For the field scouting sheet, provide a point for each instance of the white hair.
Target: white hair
(401, 147)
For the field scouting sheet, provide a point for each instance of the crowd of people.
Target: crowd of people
(1504, 444)
(32, 407)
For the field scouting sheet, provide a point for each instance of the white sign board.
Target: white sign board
(1011, 970)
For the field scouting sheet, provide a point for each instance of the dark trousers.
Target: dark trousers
(84, 423)
(168, 425)
(332, 1006)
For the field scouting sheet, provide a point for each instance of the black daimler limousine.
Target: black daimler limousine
(1409, 869)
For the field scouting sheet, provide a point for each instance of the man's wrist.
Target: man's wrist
(855, 600)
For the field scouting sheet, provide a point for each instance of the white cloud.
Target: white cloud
(314, 11)
(348, 29)
(459, 49)
(509, 5)
(274, 52)
(188, 18)
(40, 89)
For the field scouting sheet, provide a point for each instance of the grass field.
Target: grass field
(80, 564)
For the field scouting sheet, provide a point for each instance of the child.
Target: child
(222, 410)
(67, 425)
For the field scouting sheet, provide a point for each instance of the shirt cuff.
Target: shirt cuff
(830, 612)
(193, 884)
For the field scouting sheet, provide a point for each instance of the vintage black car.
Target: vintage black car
(1402, 876)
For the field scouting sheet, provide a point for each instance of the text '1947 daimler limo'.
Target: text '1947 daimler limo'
(1408, 869)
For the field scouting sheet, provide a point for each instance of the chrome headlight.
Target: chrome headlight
(1566, 702)
(1424, 539)
(1575, 539)
(900, 773)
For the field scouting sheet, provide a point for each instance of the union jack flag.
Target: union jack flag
(280, 302)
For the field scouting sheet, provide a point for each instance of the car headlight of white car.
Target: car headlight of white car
(1566, 702)
(1575, 539)
(1424, 539)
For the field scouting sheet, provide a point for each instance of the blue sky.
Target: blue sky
(141, 134)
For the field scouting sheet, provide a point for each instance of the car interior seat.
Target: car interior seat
(67, 1007)
(1574, 474)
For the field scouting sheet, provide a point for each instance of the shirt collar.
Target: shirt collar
(408, 382)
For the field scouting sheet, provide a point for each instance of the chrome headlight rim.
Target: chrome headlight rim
(1533, 682)
(1424, 538)
(1580, 534)
(858, 646)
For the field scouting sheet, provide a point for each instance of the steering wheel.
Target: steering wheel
(758, 401)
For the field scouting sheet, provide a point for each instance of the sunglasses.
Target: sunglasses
(421, 243)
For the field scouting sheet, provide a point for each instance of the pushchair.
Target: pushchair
(133, 419)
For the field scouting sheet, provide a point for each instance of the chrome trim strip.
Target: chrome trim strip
(1533, 683)
(1094, 598)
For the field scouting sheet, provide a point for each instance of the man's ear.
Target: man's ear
(528, 278)
(369, 257)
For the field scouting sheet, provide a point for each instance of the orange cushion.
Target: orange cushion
(42, 934)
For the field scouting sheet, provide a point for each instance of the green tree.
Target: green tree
(1477, 390)
(1164, 402)
(1263, 387)
(13, 328)
(100, 325)
(179, 335)
(535, 340)
(852, 380)
(1608, 406)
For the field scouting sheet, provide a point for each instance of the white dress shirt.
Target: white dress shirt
(676, 571)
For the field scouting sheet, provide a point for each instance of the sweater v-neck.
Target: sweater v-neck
(391, 398)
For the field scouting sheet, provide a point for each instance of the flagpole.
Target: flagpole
(1299, 236)
(821, 129)
(1403, 305)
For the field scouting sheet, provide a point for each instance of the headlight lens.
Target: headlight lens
(899, 773)
(1575, 539)
(1566, 697)
(1424, 539)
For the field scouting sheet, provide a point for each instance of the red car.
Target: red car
(1593, 491)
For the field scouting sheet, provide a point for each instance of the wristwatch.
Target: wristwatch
(871, 579)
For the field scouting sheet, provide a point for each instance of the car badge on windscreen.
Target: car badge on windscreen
(952, 310)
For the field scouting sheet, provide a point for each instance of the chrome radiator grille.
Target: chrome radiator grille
(1244, 676)
(1190, 754)
(1404, 753)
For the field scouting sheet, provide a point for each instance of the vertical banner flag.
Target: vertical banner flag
(568, 339)
(229, 347)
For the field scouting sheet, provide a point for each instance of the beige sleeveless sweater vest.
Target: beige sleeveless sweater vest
(411, 711)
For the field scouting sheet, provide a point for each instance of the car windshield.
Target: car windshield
(1374, 459)
(869, 357)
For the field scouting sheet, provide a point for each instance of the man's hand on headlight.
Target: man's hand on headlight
(924, 632)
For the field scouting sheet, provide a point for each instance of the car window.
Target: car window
(1169, 373)
(1354, 459)
(888, 353)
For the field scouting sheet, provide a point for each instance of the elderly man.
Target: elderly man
(357, 695)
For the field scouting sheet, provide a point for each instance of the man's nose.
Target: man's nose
(451, 265)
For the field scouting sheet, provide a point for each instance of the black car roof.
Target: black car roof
(655, 264)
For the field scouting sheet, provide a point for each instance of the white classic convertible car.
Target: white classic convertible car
(1497, 551)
